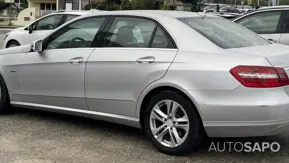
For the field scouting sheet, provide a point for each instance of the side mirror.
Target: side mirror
(30, 29)
(36, 46)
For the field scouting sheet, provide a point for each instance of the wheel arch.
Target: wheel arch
(148, 93)
(11, 40)
(4, 80)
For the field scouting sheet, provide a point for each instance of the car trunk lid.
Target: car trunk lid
(276, 54)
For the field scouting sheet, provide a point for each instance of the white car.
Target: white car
(39, 28)
(271, 23)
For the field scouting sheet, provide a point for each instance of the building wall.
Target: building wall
(75, 3)
(25, 17)
(36, 4)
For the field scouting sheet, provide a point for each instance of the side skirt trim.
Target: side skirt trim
(120, 119)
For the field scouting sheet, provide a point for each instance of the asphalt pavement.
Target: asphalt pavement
(28, 136)
(3, 31)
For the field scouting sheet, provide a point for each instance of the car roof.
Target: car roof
(274, 7)
(153, 13)
(76, 12)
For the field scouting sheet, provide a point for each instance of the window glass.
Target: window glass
(130, 32)
(48, 6)
(262, 23)
(53, 6)
(42, 6)
(50, 22)
(285, 28)
(161, 40)
(76, 35)
(69, 17)
(224, 33)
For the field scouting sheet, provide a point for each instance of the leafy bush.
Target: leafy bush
(138, 4)
(112, 7)
(171, 7)
(165, 6)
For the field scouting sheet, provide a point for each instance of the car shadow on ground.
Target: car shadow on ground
(220, 148)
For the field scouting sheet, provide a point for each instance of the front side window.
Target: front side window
(130, 32)
(79, 34)
(262, 23)
(48, 23)
(224, 33)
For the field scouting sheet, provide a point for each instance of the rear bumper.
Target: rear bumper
(243, 112)
(246, 129)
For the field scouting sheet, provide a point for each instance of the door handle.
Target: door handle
(76, 60)
(272, 40)
(149, 59)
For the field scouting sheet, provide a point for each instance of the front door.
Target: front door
(137, 52)
(55, 77)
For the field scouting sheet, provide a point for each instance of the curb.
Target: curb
(9, 27)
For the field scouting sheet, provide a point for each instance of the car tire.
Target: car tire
(12, 44)
(4, 97)
(190, 135)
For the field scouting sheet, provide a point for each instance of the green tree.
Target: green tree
(138, 5)
(149, 4)
(165, 6)
(24, 4)
(284, 2)
(126, 5)
(194, 5)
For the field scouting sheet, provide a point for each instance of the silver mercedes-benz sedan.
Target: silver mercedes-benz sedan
(177, 75)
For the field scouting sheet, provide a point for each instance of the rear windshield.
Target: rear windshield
(224, 33)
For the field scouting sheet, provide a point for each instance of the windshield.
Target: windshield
(224, 33)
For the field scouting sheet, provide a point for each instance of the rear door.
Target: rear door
(285, 30)
(265, 23)
(136, 52)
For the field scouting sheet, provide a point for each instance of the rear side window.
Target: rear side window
(262, 23)
(160, 40)
(130, 32)
(224, 33)
(69, 17)
(137, 32)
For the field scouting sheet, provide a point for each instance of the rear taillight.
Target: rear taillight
(260, 76)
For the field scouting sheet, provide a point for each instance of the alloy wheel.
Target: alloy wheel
(169, 123)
